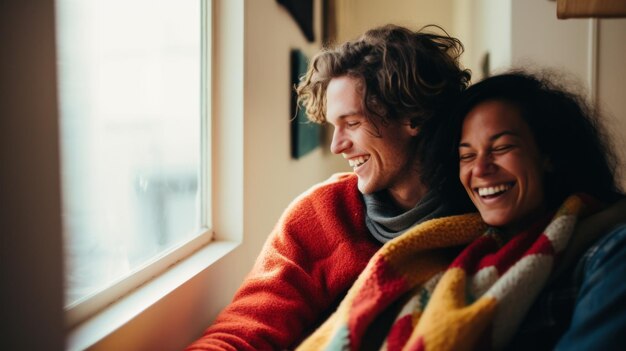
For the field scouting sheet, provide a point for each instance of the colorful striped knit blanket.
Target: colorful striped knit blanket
(475, 302)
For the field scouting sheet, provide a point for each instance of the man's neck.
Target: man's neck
(406, 197)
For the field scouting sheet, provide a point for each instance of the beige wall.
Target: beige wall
(539, 38)
(484, 26)
(356, 16)
(611, 81)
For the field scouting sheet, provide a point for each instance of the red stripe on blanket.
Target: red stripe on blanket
(419, 345)
(485, 251)
(400, 333)
(520, 246)
(381, 289)
(470, 257)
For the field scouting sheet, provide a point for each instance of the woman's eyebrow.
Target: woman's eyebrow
(503, 133)
(493, 137)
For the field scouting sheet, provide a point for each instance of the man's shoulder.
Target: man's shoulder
(341, 179)
(338, 191)
(332, 209)
(337, 185)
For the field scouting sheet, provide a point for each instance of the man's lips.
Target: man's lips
(356, 162)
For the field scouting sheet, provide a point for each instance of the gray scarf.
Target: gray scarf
(386, 221)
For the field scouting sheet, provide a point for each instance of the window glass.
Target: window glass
(130, 101)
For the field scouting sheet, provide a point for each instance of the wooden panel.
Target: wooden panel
(590, 8)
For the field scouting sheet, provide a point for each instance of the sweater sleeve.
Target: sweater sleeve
(314, 254)
(599, 319)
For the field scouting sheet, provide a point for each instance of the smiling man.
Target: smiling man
(383, 94)
(378, 154)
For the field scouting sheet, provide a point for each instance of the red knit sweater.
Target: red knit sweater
(314, 254)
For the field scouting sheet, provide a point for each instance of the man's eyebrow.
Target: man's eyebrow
(349, 114)
(343, 116)
(493, 137)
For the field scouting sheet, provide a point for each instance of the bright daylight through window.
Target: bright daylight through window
(133, 96)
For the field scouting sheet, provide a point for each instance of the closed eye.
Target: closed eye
(468, 156)
(503, 148)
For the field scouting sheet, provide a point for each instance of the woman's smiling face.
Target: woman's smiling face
(501, 166)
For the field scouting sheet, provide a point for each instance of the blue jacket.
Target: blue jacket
(584, 309)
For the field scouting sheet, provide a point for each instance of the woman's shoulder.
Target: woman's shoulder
(597, 321)
(606, 228)
(607, 232)
(608, 251)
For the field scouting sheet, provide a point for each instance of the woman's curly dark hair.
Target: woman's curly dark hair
(566, 129)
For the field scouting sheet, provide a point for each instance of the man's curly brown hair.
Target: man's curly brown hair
(402, 74)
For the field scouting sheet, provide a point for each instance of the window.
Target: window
(133, 90)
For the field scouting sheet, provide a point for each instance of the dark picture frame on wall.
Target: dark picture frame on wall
(305, 135)
(302, 12)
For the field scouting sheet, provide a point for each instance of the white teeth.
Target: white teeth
(493, 189)
(357, 161)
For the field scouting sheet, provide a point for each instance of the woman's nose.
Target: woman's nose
(339, 143)
(484, 165)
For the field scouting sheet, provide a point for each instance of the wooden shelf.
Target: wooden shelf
(590, 8)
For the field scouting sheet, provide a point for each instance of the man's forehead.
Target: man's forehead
(342, 99)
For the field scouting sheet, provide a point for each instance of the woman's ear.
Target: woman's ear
(413, 127)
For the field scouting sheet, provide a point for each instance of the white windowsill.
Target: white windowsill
(124, 310)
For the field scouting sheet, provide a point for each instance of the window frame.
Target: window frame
(131, 319)
(89, 306)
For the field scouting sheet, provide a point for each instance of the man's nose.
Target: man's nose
(340, 142)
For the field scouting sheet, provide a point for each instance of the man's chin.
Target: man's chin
(365, 188)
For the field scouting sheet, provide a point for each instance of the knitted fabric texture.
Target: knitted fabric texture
(385, 221)
(475, 302)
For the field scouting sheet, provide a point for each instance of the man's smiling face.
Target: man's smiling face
(382, 156)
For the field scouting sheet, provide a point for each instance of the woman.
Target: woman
(525, 147)
(533, 161)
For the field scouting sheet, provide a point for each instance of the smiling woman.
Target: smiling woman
(528, 150)
(501, 166)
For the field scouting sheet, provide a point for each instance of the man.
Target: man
(383, 94)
